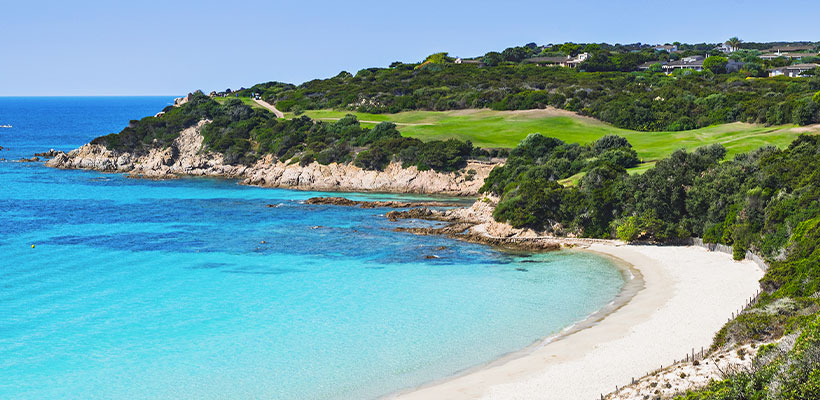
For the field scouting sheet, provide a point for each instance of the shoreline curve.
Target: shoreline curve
(688, 293)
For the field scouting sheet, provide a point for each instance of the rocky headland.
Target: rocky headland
(186, 156)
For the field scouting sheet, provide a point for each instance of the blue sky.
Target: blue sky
(173, 47)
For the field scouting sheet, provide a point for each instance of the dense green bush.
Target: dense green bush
(716, 64)
(244, 134)
(531, 196)
(766, 201)
(645, 101)
(161, 131)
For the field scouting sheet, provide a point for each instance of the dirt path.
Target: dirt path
(270, 107)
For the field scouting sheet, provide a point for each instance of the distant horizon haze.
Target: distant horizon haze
(96, 48)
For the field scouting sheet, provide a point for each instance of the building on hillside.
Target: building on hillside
(567, 62)
(669, 48)
(575, 62)
(460, 60)
(545, 61)
(790, 48)
(645, 66)
(786, 55)
(725, 48)
(792, 70)
(691, 62)
(734, 66)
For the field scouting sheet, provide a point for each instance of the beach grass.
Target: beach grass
(487, 128)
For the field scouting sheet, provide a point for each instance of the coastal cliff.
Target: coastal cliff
(186, 156)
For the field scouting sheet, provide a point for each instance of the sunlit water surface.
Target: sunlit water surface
(194, 288)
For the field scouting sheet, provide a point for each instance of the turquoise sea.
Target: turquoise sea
(194, 289)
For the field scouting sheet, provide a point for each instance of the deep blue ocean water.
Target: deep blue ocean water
(193, 288)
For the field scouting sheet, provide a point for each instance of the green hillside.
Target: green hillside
(487, 128)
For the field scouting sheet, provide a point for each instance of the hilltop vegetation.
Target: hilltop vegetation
(244, 134)
(607, 85)
(643, 101)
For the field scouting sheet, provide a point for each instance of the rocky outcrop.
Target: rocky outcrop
(348, 177)
(342, 201)
(476, 224)
(46, 154)
(187, 157)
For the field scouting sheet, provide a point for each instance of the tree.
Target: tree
(755, 69)
(608, 142)
(598, 62)
(492, 58)
(656, 67)
(592, 47)
(437, 58)
(514, 54)
(570, 49)
(805, 113)
(734, 43)
(373, 159)
(816, 98)
(716, 64)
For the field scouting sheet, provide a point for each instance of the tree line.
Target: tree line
(643, 101)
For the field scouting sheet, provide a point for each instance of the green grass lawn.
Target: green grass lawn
(488, 128)
(246, 100)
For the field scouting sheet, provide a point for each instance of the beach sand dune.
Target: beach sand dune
(688, 294)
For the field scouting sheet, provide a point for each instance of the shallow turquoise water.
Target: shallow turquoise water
(163, 289)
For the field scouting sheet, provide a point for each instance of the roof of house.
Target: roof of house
(791, 48)
(471, 61)
(651, 63)
(791, 55)
(554, 60)
(797, 66)
(681, 63)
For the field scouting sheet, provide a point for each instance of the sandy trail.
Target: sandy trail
(270, 107)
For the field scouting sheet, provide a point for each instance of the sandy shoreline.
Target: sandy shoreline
(688, 294)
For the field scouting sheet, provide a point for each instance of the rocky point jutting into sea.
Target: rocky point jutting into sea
(187, 157)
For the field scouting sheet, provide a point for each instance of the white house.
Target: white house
(725, 48)
(460, 60)
(568, 62)
(792, 70)
(691, 62)
(669, 48)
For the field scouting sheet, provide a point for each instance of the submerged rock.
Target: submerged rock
(341, 201)
(48, 154)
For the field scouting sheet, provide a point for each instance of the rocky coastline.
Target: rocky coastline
(186, 156)
(473, 224)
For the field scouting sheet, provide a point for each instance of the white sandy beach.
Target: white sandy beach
(689, 294)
